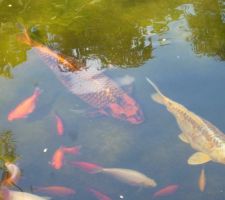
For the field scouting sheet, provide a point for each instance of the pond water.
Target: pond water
(178, 44)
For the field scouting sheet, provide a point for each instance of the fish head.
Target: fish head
(125, 108)
(150, 183)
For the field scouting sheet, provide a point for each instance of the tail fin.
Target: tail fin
(157, 97)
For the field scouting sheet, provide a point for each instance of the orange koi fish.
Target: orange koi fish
(26, 107)
(59, 125)
(56, 190)
(202, 180)
(57, 159)
(168, 190)
(99, 195)
(92, 86)
(14, 174)
(71, 150)
(91, 168)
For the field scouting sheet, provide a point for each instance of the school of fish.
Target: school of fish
(109, 99)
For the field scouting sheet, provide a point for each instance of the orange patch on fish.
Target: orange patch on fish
(59, 125)
(57, 159)
(168, 190)
(91, 168)
(99, 195)
(26, 107)
(13, 174)
(56, 190)
(202, 180)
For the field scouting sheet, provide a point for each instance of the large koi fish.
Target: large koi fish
(204, 137)
(90, 85)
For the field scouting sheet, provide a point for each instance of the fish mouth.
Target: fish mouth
(137, 119)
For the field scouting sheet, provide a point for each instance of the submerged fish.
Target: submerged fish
(59, 125)
(168, 190)
(92, 86)
(71, 150)
(58, 159)
(26, 107)
(203, 136)
(56, 190)
(15, 195)
(13, 176)
(129, 176)
(91, 168)
(202, 180)
(99, 195)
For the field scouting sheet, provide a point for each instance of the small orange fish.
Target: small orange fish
(99, 195)
(71, 150)
(59, 125)
(168, 190)
(26, 107)
(58, 158)
(91, 168)
(56, 190)
(202, 180)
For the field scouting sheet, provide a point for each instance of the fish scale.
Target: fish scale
(96, 94)
(90, 84)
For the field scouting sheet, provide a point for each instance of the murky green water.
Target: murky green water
(179, 45)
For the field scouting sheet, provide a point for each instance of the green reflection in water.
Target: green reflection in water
(7, 147)
(117, 32)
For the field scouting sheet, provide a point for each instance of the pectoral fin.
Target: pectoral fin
(198, 158)
(183, 138)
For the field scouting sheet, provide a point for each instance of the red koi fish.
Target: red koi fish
(58, 159)
(26, 107)
(92, 86)
(99, 195)
(59, 125)
(168, 190)
(90, 168)
(71, 150)
(56, 190)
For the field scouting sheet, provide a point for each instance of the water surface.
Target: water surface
(177, 44)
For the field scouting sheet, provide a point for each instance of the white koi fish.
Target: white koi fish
(129, 176)
(15, 195)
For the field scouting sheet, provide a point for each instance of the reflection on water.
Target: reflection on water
(116, 44)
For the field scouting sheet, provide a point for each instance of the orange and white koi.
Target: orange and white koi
(59, 125)
(56, 190)
(26, 107)
(14, 174)
(99, 195)
(92, 86)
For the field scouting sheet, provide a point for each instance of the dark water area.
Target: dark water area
(179, 45)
